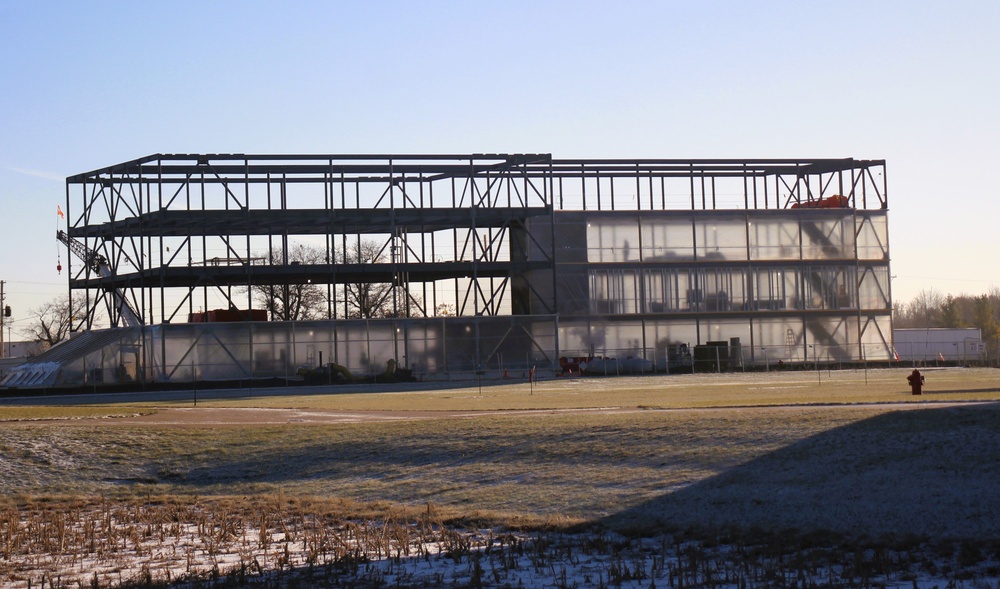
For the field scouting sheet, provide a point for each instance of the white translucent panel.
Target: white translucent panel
(713, 290)
(823, 340)
(421, 348)
(352, 347)
(617, 339)
(773, 289)
(661, 334)
(579, 339)
(382, 339)
(665, 337)
(670, 291)
(691, 291)
(831, 339)
(827, 238)
(722, 344)
(612, 240)
(270, 351)
(459, 343)
(723, 289)
(613, 292)
(872, 236)
(667, 240)
(212, 361)
(876, 338)
(717, 330)
(873, 290)
(576, 339)
(793, 287)
(117, 361)
(774, 238)
(543, 338)
(662, 291)
(829, 287)
(721, 238)
(778, 339)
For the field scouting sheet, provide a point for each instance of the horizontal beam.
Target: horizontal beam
(252, 274)
(333, 168)
(306, 221)
(193, 165)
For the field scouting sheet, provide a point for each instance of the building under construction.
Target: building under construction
(235, 267)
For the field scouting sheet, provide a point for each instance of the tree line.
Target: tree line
(932, 309)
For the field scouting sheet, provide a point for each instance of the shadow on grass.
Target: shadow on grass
(240, 389)
(926, 472)
(418, 464)
(959, 391)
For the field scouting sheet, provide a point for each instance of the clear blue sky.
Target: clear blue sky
(88, 84)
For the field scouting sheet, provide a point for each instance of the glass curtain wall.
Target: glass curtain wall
(786, 284)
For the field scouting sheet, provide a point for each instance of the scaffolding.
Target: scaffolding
(482, 260)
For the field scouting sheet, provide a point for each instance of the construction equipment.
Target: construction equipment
(99, 265)
(227, 315)
(836, 201)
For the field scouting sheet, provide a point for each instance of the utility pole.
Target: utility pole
(3, 318)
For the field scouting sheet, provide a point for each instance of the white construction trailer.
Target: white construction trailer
(941, 344)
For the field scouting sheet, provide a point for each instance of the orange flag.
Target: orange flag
(59, 212)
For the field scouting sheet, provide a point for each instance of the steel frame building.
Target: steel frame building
(494, 261)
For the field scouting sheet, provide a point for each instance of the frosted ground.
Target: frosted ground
(890, 494)
(146, 544)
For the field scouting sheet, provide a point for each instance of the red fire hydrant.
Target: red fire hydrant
(916, 381)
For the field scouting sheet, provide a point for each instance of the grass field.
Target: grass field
(654, 392)
(536, 464)
(849, 452)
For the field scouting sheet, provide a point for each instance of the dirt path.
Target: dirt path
(244, 416)
(249, 416)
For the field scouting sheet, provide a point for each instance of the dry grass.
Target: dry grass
(40, 412)
(571, 467)
(655, 391)
(264, 541)
(574, 466)
(276, 541)
(708, 452)
(660, 391)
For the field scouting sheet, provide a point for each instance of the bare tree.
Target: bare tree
(51, 321)
(925, 309)
(292, 302)
(371, 300)
(900, 315)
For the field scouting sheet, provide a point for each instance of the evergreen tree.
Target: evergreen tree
(985, 319)
(950, 314)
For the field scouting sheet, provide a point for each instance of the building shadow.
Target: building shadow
(931, 472)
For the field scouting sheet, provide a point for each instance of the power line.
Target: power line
(63, 284)
(996, 281)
